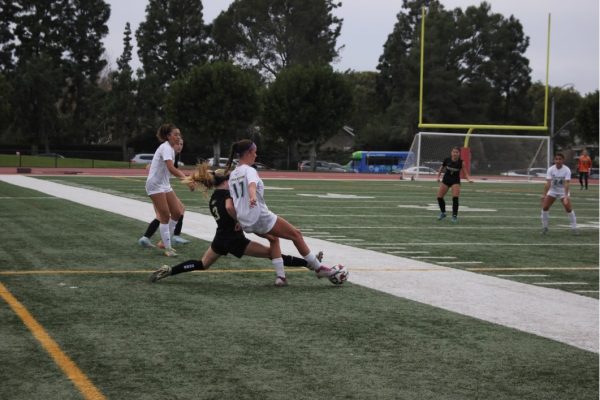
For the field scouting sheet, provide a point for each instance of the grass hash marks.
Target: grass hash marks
(233, 335)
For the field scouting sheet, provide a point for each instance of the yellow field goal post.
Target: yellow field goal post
(543, 142)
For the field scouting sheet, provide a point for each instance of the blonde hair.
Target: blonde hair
(206, 177)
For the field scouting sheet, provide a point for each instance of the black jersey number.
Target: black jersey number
(239, 193)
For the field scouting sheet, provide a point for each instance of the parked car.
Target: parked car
(55, 155)
(335, 167)
(321, 166)
(222, 161)
(534, 172)
(422, 170)
(261, 166)
(143, 158)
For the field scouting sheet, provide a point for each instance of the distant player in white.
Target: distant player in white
(247, 191)
(558, 179)
(167, 205)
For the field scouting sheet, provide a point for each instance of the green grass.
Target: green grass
(232, 335)
(11, 160)
(503, 240)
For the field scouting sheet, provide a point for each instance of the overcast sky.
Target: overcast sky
(367, 24)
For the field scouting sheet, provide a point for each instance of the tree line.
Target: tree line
(263, 69)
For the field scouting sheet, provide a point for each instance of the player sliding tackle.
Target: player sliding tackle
(229, 238)
(247, 191)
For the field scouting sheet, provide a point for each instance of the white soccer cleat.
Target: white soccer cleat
(170, 252)
(179, 240)
(324, 272)
(145, 242)
(281, 281)
(160, 273)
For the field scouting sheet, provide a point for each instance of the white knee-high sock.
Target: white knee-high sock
(572, 219)
(312, 261)
(165, 235)
(545, 217)
(172, 225)
(278, 264)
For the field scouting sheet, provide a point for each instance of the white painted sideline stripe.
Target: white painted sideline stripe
(29, 197)
(559, 283)
(559, 315)
(522, 275)
(436, 257)
(555, 244)
(461, 262)
(408, 252)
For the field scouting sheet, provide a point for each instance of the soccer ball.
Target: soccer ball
(340, 274)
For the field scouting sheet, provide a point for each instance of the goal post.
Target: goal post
(423, 125)
(488, 154)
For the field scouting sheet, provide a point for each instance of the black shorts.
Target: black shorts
(450, 180)
(235, 244)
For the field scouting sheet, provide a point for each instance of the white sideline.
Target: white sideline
(550, 313)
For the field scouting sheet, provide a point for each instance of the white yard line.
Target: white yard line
(551, 313)
(461, 262)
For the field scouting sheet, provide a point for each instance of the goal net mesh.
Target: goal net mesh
(490, 154)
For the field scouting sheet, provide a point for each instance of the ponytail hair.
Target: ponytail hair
(238, 148)
(206, 178)
(163, 132)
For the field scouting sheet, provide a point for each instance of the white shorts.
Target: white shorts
(264, 224)
(556, 194)
(153, 188)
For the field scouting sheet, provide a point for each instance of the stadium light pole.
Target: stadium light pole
(552, 105)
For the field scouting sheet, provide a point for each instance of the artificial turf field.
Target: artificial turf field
(229, 333)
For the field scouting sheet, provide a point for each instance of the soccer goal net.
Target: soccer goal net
(483, 154)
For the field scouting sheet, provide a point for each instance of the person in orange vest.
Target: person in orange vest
(584, 167)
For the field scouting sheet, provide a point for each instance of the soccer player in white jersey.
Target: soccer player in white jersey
(558, 179)
(247, 191)
(167, 205)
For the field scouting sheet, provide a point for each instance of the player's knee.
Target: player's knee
(296, 234)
